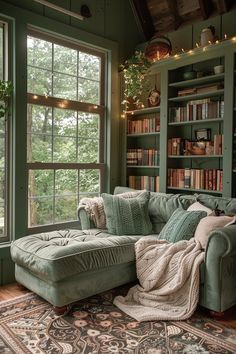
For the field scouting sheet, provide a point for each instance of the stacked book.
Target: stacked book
(197, 110)
(144, 182)
(142, 157)
(208, 179)
(179, 146)
(146, 125)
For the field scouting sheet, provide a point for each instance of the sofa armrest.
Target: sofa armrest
(220, 270)
(85, 221)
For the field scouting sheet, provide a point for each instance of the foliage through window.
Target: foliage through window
(65, 128)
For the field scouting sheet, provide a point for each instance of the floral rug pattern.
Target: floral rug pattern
(95, 326)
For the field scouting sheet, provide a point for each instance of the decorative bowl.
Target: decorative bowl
(189, 75)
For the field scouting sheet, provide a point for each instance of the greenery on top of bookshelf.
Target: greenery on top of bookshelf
(134, 70)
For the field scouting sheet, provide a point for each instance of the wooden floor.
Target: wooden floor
(11, 291)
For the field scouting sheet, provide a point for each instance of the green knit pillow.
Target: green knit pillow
(181, 225)
(127, 216)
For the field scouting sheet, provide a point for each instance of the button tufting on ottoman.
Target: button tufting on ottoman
(68, 265)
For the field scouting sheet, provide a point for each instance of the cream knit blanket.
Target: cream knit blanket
(169, 280)
(95, 209)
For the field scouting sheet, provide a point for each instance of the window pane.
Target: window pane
(66, 182)
(39, 148)
(89, 66)
(64, 86)
(39, 81)
(41, 189)
(66, 208)
(89, 182)
(65, 122)
(39, 119)
(39, 53)
(88, 150)
(88, 91)
(65, 60)
(88, 125)
(40, 211)
(64, 149)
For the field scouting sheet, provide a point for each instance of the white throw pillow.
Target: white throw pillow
(198, 206)
(209, 224)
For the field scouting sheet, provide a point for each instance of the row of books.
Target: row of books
(144, 182)
(142, 157)
(146, 125)
(209, 179)
(179, 146)
(197, 110)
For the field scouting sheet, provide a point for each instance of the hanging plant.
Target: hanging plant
(134, 70)
(6, 89)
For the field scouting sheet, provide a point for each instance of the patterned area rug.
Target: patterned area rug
(29, 325)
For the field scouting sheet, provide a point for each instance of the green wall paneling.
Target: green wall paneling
(55, 15)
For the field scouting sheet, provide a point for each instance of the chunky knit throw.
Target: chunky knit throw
(95, 209)
(169, 280)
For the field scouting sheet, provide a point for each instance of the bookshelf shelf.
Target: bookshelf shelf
(200, 121)
(193, 156)
(142, 134)
(146, 110)
(142, 166)
(195, 190)
(199, 81)
(197, 96)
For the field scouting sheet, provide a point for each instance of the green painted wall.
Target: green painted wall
(112, 26)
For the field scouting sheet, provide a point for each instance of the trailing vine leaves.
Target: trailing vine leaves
(6, 89)
(134, 70)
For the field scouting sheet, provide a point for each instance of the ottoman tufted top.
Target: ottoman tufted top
(57, 255)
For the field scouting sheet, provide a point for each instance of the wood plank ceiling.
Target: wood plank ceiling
(158, 17)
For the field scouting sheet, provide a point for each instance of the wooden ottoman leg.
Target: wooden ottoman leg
(60, 310)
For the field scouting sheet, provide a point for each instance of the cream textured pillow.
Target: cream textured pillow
(198, 206)
(209, 224)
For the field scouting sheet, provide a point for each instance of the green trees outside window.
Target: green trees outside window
(64, 128)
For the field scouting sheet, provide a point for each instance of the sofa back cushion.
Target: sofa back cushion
(127, 216)
(213, 202)
(181, 225)
(162, 205)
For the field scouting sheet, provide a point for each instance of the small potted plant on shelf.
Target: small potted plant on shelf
(6, 89)
(134, 70)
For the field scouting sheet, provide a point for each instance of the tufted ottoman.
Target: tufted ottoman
(68, 265)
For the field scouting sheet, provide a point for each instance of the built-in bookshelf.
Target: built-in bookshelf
(142, 155)
(195, 129)
(194, 133)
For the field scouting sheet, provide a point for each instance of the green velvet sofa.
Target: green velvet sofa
(68, 265)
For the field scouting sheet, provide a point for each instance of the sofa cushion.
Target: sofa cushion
(181, 225)
(209, 224)
(198, 206)
(162, 205)
(213, 202)
(57, 255)
(127, 216)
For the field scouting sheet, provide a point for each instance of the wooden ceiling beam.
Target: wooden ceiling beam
(206, 8)
(143, 17)
(173, 8)
(223, 6)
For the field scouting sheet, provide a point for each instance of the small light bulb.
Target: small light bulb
(225, 36)
(35, 97)
(209, 42)
(122, 115)
(234, 39)
(217, 41)
(190, 51)
(182, 50)
(197, 45)
(95, 106)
